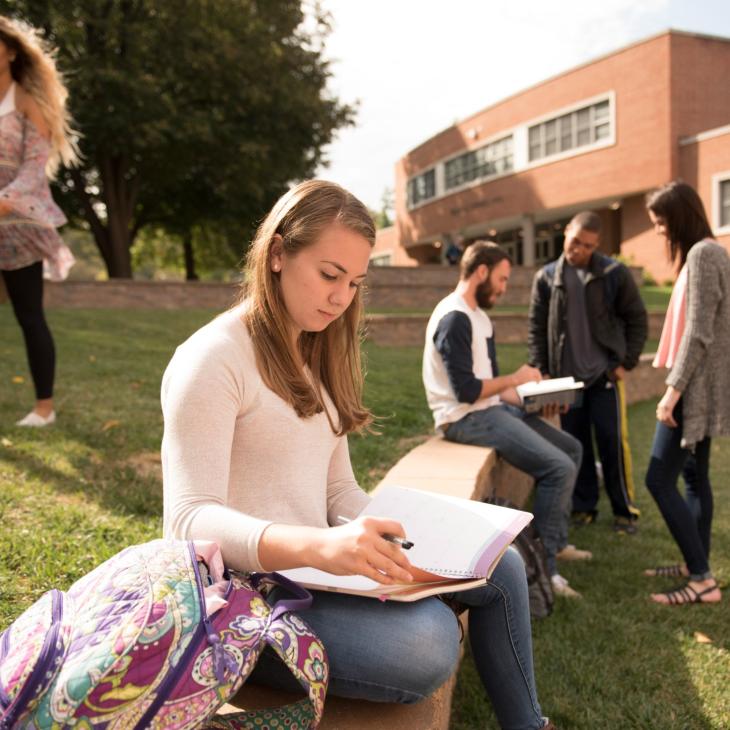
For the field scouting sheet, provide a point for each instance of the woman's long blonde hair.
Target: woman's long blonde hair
(34, 68)
(333, 355)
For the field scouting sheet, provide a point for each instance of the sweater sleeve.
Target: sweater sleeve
(344, 496)
(704, 293)
(202, 396)
(28, 192)
(453, 342)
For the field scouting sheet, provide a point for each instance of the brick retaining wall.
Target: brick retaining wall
(132, 294)
(389, 287)
(409, 329)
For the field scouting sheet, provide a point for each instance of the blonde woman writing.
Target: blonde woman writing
(258, 405)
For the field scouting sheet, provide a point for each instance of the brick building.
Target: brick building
(598, 136)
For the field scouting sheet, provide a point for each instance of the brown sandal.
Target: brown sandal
(666, 571)
(686, 594)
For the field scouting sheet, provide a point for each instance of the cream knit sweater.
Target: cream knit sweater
(236, 457)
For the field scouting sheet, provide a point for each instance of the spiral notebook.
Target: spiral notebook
(456, 544)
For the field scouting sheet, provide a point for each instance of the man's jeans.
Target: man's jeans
(552, 457)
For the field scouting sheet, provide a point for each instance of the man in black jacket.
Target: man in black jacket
(587, 320)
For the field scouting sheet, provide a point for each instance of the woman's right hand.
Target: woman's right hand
(359, 548)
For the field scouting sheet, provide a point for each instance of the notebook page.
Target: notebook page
(313, 576)
(452, 537)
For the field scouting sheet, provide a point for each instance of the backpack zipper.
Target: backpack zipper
(203, 627)
(45, 658)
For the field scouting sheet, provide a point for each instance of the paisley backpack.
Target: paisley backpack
(158, 636)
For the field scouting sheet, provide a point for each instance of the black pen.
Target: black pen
(405, 544)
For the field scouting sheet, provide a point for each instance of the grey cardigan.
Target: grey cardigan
(701, 371)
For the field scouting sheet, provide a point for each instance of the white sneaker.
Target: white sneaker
(34, 420)
(571, 552)
(561, 587)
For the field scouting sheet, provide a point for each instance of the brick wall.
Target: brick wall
(640, 159)
(410, 329)
(131, 294)
(388, 287)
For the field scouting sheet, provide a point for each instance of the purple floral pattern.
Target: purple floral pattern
(134, 647)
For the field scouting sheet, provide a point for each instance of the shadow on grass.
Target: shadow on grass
(120, 488)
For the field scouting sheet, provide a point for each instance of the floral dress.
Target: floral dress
(28, 233)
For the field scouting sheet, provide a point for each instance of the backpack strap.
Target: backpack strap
(302, 600)
(300, 650)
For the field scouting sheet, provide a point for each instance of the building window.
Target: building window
(724, 207)
(422, 187)
(578, 128)
(512, 243)
(494, 158)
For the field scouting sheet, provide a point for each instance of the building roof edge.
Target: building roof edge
(706, 134)
(597, 59)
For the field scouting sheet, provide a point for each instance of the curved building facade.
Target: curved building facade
(597, 137)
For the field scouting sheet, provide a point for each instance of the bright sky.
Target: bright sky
(417, 66)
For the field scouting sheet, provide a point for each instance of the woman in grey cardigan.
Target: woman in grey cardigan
(696, 404)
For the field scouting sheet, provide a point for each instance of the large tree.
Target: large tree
(191, 112)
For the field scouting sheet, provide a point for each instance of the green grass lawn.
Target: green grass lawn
(74, 494)
(656, 297)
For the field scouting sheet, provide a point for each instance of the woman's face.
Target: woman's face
(320, 281)
(660, 225)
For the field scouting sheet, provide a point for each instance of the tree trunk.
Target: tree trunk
(119, 265)
(190, 273)
(119, 198)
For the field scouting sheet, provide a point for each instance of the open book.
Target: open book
(456, 544)
(560, 391)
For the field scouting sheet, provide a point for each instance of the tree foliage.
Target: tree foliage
(192, 113)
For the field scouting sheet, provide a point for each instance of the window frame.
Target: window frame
(557, 116)
(718, 180)
(478, 179)
(424, 200)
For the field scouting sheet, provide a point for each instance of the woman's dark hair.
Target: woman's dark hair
(481, 252)
(684, 215)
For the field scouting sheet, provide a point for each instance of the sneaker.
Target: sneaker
(580, 519)
(561, 587)
(624, 525)
(571, 552)
(35, 420)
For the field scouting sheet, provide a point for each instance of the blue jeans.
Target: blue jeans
(550, 456)
(402, 652)
(689, 520)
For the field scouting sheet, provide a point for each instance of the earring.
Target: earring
(275, 267)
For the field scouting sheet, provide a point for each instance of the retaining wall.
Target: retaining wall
(389, 287)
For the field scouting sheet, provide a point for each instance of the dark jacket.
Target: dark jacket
(616, 314)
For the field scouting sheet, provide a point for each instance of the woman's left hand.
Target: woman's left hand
(5, 208)
(665, 407)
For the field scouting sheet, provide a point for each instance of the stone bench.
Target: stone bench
(470, 472)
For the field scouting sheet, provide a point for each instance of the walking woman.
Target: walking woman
(696, 405)
(35, 138)
(257, 407)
